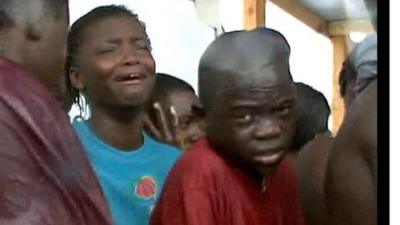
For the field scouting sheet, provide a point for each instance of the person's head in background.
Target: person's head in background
(359, 68)
(363, 60)
(248, 95)
(170, 91)
(347, 83)
(33, 34)
(109, 61)
(312, 114)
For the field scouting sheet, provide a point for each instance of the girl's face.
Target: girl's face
(114, 65)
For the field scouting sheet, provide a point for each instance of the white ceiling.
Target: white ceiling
(332, 10)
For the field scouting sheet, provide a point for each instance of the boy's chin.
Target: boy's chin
(266, 170)
(258, 171)
(133, 101)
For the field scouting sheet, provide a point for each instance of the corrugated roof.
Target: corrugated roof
(332, 10)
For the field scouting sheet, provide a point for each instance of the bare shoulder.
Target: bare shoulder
(358, 134)
(350, 182)
(311, 167)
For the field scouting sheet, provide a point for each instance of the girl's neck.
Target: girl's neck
(122, 129)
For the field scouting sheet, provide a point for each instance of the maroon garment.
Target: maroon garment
(45, 176)
(203, 189)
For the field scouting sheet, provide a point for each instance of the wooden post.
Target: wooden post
(253, 14)
(340, 52)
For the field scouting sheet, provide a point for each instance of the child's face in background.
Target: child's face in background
(252, 121)
(115, 65)
(190, 118)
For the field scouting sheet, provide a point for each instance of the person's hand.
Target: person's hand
(166, 126)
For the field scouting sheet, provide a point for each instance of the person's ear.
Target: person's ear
(76, 78)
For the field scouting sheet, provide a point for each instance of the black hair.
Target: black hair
(56, 8)
(273, 48)
(312, 113)
(347, 75)
(76, 37)
(164, 85)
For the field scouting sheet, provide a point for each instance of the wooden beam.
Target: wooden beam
(253, 14)
(344, 27)
(340, 52)
(303, 14)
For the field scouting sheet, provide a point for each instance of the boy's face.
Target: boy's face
(190, 118)
(46, 57)
(251, 121)
(115, 66)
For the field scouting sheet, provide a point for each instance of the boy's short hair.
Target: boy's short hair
(347, 75)
(210, 70)
(312, 114)
(165, 84)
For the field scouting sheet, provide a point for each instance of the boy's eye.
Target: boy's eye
(142, 46)
(243, 117)
(283, 110)
(107, 50)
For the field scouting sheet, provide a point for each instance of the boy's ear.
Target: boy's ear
(76, 78)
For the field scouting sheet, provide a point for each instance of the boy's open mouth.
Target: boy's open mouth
(269, 157)
(131, 78)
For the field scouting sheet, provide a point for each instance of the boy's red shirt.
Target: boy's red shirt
(203, 189)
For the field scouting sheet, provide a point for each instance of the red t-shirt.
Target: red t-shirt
(203, 189)
(45, 176)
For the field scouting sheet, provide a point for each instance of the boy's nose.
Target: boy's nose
(130, 60)
(267, 129)
(130, 57)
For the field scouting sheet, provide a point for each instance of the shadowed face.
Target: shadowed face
(251, 120)
(190, 118)
(115, 67)
(45, 55)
